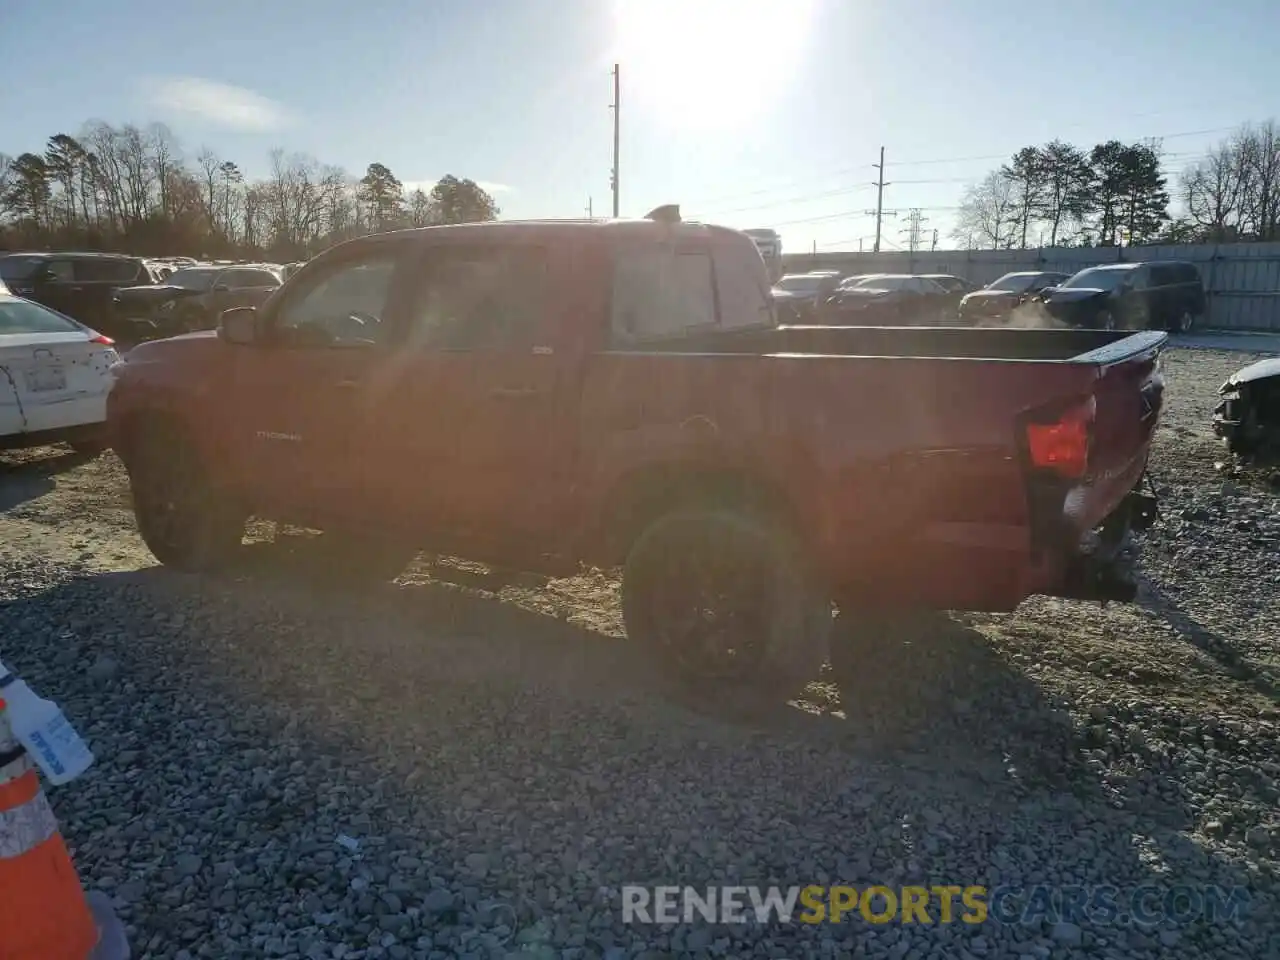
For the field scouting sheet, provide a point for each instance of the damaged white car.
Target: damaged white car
(1248, 411)
(55, 375)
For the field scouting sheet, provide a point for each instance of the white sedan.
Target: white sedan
(55, 375)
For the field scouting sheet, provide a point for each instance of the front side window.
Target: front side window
(344, 305)
(481, 299)
(661, 292)
(58, 271)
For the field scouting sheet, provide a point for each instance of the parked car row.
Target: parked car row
(1159, 295)
(132, 299)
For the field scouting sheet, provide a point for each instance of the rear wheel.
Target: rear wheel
(720, 596)
(363, 558)
(1184, 323)
(186, 521)
(1106, 320)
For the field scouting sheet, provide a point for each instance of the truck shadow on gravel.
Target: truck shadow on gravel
(1216, 646)
(449, 704)
(25, 477)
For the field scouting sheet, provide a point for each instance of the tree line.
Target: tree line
(1113, 194)
(133, 189)
(1116, 194)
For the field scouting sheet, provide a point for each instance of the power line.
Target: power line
(932, 161)
(779, 203)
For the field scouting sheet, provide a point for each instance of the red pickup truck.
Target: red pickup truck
(541, 395)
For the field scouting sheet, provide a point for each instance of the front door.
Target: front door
(303, 404)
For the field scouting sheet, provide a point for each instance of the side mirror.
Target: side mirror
(239, 325)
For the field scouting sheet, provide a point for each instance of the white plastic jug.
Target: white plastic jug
(39, 725)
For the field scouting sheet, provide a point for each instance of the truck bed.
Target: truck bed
(972, 343)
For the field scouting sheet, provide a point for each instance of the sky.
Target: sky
(751, 113)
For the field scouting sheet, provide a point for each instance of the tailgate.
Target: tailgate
(1128, 394)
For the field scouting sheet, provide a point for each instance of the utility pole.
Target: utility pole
(880, 213)
(591, 209)
(616, 107)
(915, 221)
(934, 245)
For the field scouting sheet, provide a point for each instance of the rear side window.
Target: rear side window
(21, 316)
(661, 291)
(107, 270)
(1187, 273)
(742, 285)
(481, 299)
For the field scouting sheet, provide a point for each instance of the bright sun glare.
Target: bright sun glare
(708, 63)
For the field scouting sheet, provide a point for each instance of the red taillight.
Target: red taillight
(102, 340)
(1063, 445)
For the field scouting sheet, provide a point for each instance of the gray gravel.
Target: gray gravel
(466, 765)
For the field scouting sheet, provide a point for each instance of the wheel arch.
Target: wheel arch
(642, 496)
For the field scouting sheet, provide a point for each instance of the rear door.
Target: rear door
(483, 405)
(94, 286)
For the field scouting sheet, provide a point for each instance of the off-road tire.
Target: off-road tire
(185, 519)
(358, 559)
(775, 615)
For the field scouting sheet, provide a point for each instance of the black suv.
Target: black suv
(80, 285)
(1161, 295)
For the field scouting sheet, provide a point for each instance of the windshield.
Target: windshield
(1098, 278)
(19, 268)
(800, 283)
(193, 279)
(1014, 282)
(22, 316)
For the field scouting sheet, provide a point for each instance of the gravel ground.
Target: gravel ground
(469, 764)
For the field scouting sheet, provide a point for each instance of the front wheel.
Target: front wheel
(1184, 323)
(185, 519)
(720, 596)
(1107, 320)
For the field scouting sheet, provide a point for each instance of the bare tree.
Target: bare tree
(164, 156)
(988, 215)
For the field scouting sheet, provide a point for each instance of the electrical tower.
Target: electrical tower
(914, 228)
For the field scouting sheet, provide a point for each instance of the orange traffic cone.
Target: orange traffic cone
(43, 912)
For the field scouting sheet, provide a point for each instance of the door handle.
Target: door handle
(513, 393)
(349, 383)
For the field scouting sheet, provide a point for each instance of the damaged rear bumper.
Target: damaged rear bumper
(1104, 568)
